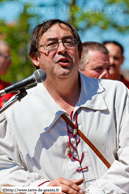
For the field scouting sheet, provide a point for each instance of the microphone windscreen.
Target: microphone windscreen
(40, 75)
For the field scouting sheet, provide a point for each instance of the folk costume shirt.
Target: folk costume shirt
(34, 139)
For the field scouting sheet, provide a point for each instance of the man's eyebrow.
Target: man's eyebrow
(50, 39)
(64, 37)
(68, 37)
(98, 66)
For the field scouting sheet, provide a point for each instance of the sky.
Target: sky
(10, 10)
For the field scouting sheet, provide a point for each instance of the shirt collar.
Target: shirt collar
(91, 94)
(49, 111)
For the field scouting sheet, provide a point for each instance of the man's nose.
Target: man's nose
(61, 48)
(112, 60)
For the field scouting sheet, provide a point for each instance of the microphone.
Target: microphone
(38, 76)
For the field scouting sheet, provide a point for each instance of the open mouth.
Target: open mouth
(63, 61)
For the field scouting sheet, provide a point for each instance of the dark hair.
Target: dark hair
(40, 29)
(115, 43)
(90, 46)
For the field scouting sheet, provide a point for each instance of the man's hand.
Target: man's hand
(67, 186)
(103, 76)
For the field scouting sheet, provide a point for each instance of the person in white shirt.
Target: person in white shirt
(39, 148)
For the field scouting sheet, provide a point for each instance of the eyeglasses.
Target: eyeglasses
(6, 57)
(54, 44)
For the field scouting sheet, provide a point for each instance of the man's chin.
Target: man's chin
(64, 73)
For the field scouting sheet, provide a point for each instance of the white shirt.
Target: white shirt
(34, 138)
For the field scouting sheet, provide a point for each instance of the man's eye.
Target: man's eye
(116, 58)
(98, 69)
(51, 43)
(67, 41)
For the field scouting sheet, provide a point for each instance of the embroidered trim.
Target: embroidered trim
(80, 169)
(71, 145)
(43, 183)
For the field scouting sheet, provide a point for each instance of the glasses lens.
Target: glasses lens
(51, 45)
(70, 43)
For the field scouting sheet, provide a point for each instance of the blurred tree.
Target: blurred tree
(102, 13)
(17, 35)
(104, 16)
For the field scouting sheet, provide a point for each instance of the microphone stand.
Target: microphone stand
(17, 97)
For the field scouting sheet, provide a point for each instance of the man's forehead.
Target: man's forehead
(4, 48)
(94, 53)
(57, 29)
(99, 65)
(99, 60)
(115, 49)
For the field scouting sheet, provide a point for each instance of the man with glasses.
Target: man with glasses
(5, 62)
(39, 148)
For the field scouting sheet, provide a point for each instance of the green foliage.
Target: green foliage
(83, 19)
(17, 35)
(119, 2)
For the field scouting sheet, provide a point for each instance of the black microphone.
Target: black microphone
(38, 76)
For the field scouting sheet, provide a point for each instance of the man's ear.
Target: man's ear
(35, 60)
(122, 60)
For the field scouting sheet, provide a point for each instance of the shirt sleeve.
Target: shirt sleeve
(13, 170)
(116, 179)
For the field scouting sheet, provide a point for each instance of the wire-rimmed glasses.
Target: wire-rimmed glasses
(68, 43)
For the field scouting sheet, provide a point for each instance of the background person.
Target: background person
(116, 56)
(38, 147)
(5, 63)
(95, 60)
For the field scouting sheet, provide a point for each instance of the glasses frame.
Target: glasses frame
(63, 41)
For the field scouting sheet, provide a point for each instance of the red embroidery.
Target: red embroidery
(80, 169)
(70, 144)
(43, 183)
(78, 141)
(73, 147)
